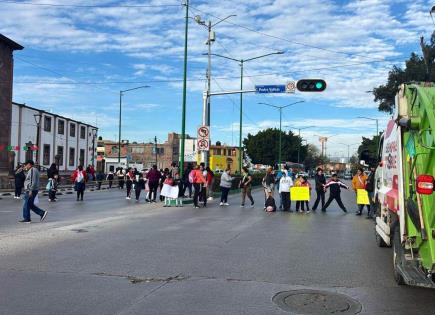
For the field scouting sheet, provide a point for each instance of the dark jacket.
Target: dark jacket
(52, 171)
(370, 184)
(320, 181)
(153, 176)
(269, 179)
(139, 184)
(335, 187)
(270, 202)
(20, 177)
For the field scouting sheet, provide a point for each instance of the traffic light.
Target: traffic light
(311, 85)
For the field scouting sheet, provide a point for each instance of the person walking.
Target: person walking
(19, 178)
(99, 177)
(246, 187)
(225, 185)
(153, 177)
(359, 181)
(335, 186)
(129, 182)
(285, 183)
(120, 174)
(139, 185)
(110, 176)
(31, 186)
(199, 182)
(79, 178)
(320, 181)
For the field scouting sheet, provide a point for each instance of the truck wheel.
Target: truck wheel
(397, 255)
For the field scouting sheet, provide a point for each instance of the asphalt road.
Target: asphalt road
(107, 255)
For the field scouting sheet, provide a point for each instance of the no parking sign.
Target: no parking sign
(203, 142)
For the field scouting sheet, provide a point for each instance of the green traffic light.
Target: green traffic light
(319, 85)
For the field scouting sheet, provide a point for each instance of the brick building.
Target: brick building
(7, 47)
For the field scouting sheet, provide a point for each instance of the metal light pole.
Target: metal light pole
(299, 134)
(377, 129)
(155, 147)
(38, 132)
(94, 133)
(206, 95)
(241, 63)
(280, 108)
(183, 111)
(121, 93)
(348, 149)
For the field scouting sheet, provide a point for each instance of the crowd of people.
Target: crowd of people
(197, 182)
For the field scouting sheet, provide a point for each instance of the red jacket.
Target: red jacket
(198, 178)
(75, 174)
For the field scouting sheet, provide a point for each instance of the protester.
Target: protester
(302, 204)
(79, 178)
(335, 186)
(139, 185)
(164, 174)
(52, 170)
(268, 182)
(186, 182)
(31, 186)
(269, 205)
(110, 176)
(153, 177)
(278, 176)
(174, 171)
(285, 184)
(209, 176)
(120, 174)
(19, 178)
(90, 171)
(370, 187)
(199, 182)
(225, 185)
(52, 188)
(245, 186)
(99, 177)
(129, 177)
(359, 181)
(320, 181)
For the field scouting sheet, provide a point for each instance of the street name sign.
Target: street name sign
(270, 88)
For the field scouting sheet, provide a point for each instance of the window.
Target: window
(46, 154)
(114, 149)
(82, 156)
(72, 153)
(61, 127)
(60, 155)
(218, 151)
(137, 150)
(72, 130)
(82, 132)
(47, 123)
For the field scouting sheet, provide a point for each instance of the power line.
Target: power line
(285, 39)
(92, 5)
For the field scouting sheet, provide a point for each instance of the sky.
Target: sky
(78, 56)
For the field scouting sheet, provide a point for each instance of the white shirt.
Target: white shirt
(285, 183)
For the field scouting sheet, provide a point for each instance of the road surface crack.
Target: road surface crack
(134, 279)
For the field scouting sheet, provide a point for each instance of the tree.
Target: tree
(263, 147)
(417, 69)
(368, 150)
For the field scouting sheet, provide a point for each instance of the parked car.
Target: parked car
(347, 176)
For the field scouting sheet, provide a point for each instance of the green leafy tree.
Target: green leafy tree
(368, 150)
(417, 69)
(263, 147)
(312, 158)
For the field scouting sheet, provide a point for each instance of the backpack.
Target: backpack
(191, 175)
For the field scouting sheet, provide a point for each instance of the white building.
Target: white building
(62, 140)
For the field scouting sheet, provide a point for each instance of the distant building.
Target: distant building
(50, 138)
(7, 47)
(223, 157)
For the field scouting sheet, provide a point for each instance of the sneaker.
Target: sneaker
(226, 204)
(345, 210)
(196, 207)
(221, 204)
(25, 221)
(44, 215)
(308, 211)
(358, 213)
(251, 206)
(242, 206)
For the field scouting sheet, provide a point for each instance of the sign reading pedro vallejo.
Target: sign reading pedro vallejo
(270, 88)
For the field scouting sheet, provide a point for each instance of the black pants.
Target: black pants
(302, 205)
(162, 198)
(224, 194)
(99, 185)
(320, 196)
(137, 191)
(204, 195)
(361, 208)
(80, 194)
(152, 195)
(52, 194)
(286, 203)
(121, 183)
(110, 183)
(197, 188)
(18, 191)
(338, 199)
(128, 184)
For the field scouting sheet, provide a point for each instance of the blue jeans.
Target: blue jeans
(29, 205)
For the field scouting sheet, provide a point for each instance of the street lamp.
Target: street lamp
(37, 118)
(241, 63)
(377, 128)
(94, 133)
(280, 108)
(299, 133)
(348, 149)
(121, 93)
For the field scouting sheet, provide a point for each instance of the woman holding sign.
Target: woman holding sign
(359, 182)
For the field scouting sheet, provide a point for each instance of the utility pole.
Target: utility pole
(155, 147)
(183, 112)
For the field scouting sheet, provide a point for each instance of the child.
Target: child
(138, 184)
(270, 205)
(52, 184)
(302, 182)
(335, 189)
